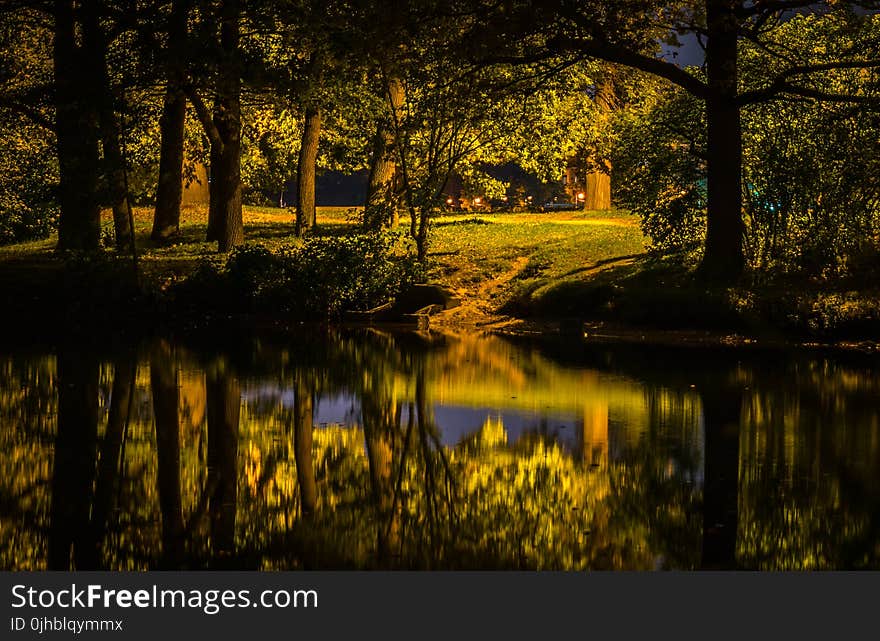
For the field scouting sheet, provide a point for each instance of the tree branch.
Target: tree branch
(621, 55)
(781, 84)
(205, 118)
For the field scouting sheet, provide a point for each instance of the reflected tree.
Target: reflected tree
(223, 409)
(164, 385)
(73, 471)
(109, 468)
(722, 410)
(303, 424)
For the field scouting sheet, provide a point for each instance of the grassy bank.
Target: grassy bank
(506, 268)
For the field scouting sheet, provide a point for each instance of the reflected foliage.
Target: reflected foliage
(373, 450)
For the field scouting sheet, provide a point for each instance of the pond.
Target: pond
(375, 450)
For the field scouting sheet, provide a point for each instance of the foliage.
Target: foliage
(659, 172)
(316, 280)
(811, 193)
(813, 170)
(271, 140)
(28, 177)
(28, 167)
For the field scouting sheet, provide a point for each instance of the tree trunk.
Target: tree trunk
(73, 470)
(597, 192)
(116, 180)
(223, 407)
(164, 386)
(213, 231)
(302, 445)
(723, 260)
(226, 163)
(306, 169)
(169, 191)
(383, 197)
(76, 128)
(95, 46)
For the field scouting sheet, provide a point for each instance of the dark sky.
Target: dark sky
(690, 52)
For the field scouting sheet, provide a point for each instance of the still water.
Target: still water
(376, 450)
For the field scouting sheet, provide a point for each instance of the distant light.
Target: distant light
(477, 200)
(449, 201)
(581, 196)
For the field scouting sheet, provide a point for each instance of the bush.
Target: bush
(659, 176)
(322, 277)
(22, 221)
(28, 179)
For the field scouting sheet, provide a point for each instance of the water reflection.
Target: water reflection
(372, 450)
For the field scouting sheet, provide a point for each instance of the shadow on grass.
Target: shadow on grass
(662, 294)
(667, 293)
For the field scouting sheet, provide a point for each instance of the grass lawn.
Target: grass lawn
(482, 256)
(489, 258)
(580, 265)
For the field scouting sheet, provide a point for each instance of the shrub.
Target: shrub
(659, 176)
(322, 277)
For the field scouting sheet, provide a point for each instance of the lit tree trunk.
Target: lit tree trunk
(164, 385)
(225, 218)
(73, 470)
(76, 128)
(597, 190)
(223, 408)
(306, 169)
(382, 187)
(302, 445)
(723, 260)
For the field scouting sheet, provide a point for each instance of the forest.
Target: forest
(718, 158)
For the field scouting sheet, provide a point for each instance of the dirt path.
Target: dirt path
(479, 303)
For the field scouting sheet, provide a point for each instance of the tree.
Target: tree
(308, 149)
(448, 121)
(96, 43)
(223, 128)
(629, 35)
(166, 220)
(76, 129)
(383, 184)
(809, 167)
(223, 409)
(571, 127)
